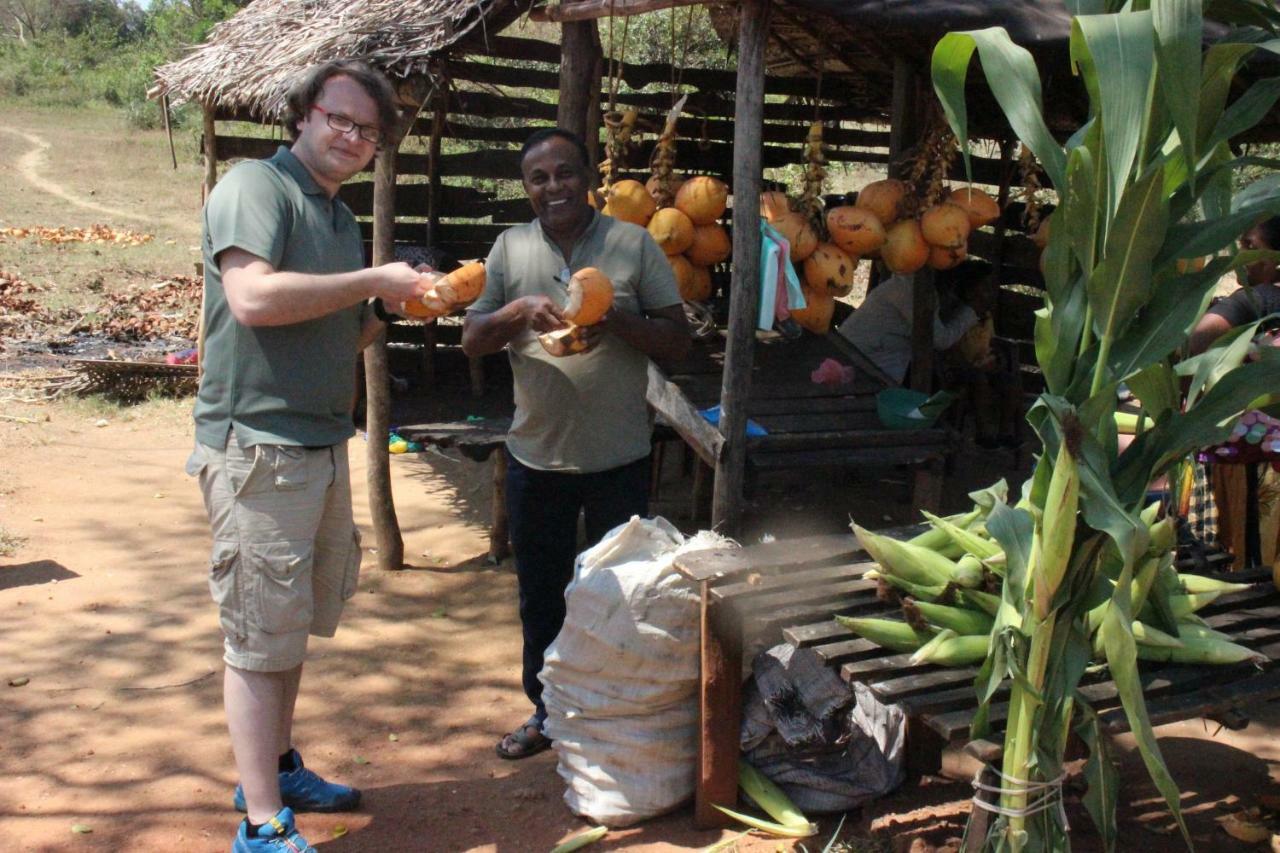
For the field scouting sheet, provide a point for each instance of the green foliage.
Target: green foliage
(1144, 183)
(100, 51)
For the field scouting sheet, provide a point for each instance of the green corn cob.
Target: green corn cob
(892, 634)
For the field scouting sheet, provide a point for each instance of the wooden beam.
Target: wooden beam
(210, 147)
(666, 398)
(579, 75)
(588, 10)
(753, 36)
(382, 508)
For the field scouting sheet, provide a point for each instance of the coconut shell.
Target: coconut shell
(904, 250)
(830, 271)
(982, 208)
(700, 285)
(855, 230)
(884, 199)
(945, 224)
(462, 286)
(711, 245)
(817, 313)
(671, 230)
(774, 205)
(562, 342)
(629, 201)
(590, 297)
(800, 235)
(703, 199)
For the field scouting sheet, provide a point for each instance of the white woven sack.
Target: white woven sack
(620, 681)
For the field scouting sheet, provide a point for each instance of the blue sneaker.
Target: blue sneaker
(302, 790)
(277, 835)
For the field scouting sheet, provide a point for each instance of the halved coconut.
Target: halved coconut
(590, 297)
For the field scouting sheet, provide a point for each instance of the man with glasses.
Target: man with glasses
(287, 310)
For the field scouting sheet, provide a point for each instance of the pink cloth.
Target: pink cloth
(832, 372)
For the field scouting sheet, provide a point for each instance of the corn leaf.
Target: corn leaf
(1118, 49)
(1179, 29)
(1163, 325)
(1221, 61)
(1120, 285)
(1242, 12)
(1100, 773)
(1206, 423)
(1014, 80)
(1246, 111)
(1122, 659)
(1226, 354)
(1157, 388)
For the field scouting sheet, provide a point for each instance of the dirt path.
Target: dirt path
(33, 165)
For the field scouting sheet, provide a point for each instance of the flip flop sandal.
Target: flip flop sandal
(522, 743)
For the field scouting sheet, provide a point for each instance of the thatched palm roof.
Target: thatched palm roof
(250, 60)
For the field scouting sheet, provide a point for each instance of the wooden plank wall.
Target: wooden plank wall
(494, 100)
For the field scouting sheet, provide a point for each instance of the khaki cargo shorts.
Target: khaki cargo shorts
(286, 552)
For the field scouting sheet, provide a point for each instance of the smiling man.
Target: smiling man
(286, 313)
(581, 434)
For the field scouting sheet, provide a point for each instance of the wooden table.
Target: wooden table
(756, 596)
(816, 426)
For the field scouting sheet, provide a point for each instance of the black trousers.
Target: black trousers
(543, 508)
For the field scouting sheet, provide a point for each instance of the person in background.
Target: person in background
(1257, 298)
(286, 313)
(881, 329)
(881, 326)
(580, 438)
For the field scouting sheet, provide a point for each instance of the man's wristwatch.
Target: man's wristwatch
(380, 311)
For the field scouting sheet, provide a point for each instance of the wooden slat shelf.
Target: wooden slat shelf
(788, 590)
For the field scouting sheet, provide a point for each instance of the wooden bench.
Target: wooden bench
(816, 426)
(757, 596)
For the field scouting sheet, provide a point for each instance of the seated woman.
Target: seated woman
(881, 329)
(1257, 297)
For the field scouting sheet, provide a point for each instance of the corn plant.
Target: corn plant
(1145, 188)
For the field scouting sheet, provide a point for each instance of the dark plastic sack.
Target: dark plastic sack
(829, 746)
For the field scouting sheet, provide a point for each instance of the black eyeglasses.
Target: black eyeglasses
(342, 124)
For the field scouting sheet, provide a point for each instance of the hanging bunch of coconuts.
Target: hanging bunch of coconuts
(682, 215)
(828, 270)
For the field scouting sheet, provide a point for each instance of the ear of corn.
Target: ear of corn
(1147, 635)
(890, 633)
(955, 650)
(922, 654)
(1206, 650)
(1200, 583)
(780, 830)
(967, 541)
(582, 839)
(958, 619)
(969, 572)
(984, 601)
(922, 592)
(904, 560)
(938, 540)
(768, 796)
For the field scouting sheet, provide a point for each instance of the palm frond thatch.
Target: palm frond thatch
(250, 60)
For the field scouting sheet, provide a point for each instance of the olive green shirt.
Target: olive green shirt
(587, 412)
(291, 384)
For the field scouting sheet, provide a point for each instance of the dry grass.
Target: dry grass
(95, 169)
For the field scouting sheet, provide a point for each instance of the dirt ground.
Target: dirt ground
(110, 695)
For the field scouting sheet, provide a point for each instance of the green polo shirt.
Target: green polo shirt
(289, 384)
(587, 412)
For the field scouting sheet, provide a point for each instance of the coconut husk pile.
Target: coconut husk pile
(167, 309)
(98, 234)
(21, 317)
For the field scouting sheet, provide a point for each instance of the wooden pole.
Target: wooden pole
(579, 75)
(210, 153)
(433, 168)
(727, 495)
(905, 130)
(382, 509)
(168, 129)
